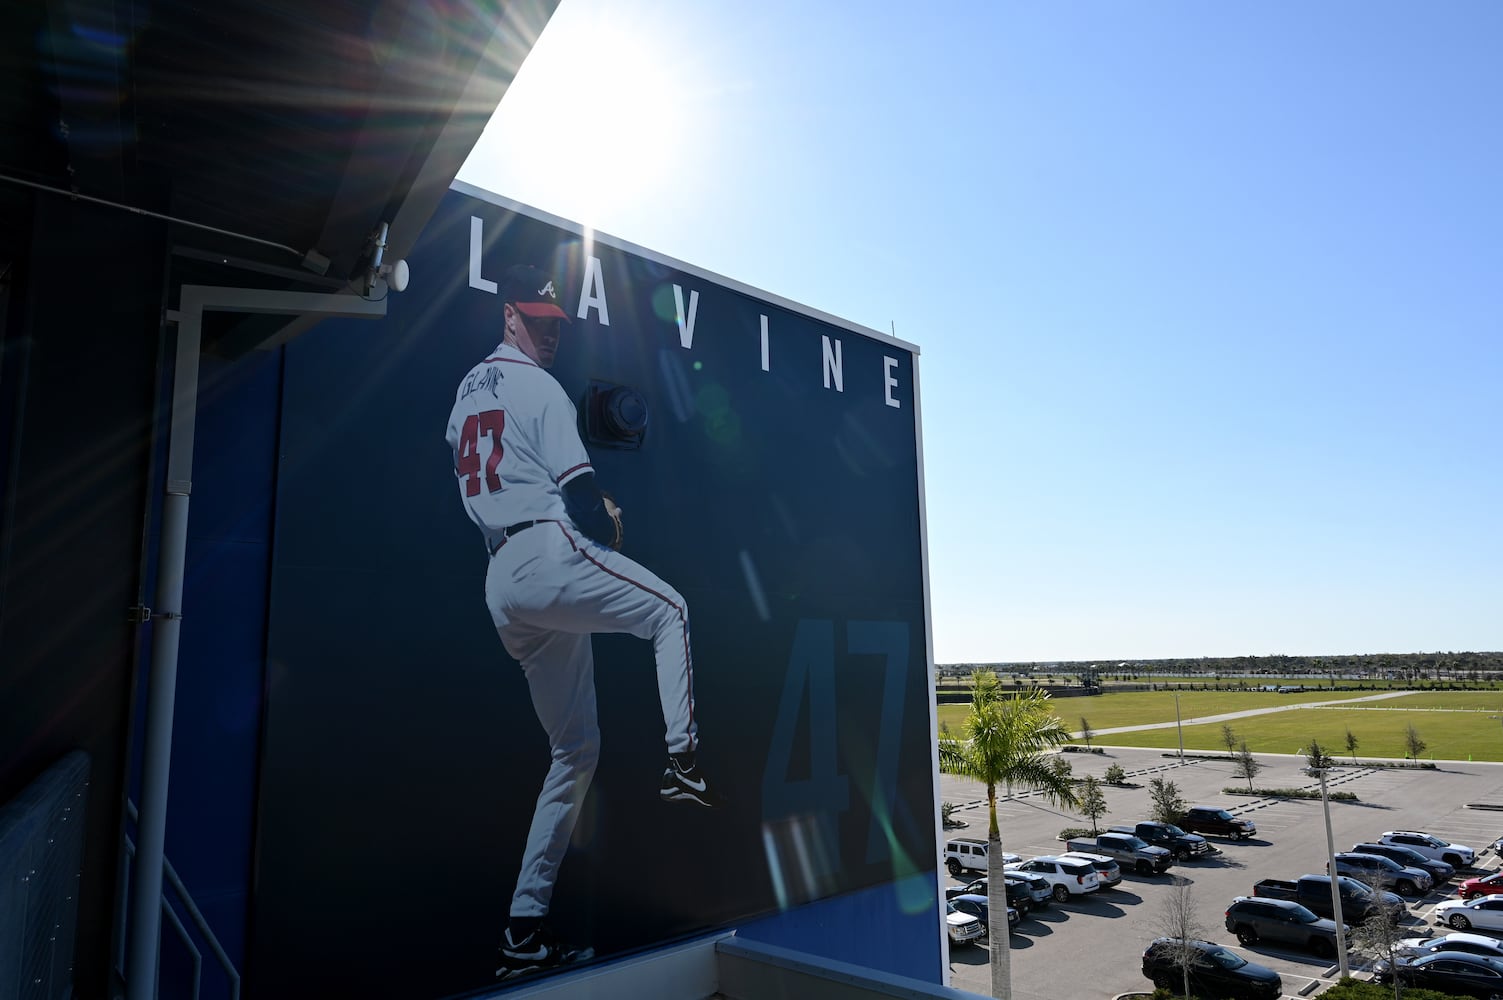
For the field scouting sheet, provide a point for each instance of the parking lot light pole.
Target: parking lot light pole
(1178, 727)
(1325, 804)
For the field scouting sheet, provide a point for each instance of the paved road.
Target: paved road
(1201, 720)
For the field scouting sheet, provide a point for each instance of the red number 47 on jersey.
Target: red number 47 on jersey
(467, 463)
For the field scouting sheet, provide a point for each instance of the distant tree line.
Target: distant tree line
(1433, 667)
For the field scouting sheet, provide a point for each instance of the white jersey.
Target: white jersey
(515, 439)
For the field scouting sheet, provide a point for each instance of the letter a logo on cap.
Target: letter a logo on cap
(532, 293)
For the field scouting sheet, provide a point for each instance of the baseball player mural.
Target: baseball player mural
(405, 796)
(555, 576)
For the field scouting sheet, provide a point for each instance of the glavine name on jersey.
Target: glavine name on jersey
(479, 381)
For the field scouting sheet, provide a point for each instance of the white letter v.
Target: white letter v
(685, 326)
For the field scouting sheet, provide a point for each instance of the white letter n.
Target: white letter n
(832, 365)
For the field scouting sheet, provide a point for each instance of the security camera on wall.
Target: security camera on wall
(393, 276)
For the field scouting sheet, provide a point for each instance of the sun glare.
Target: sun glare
(593, 120)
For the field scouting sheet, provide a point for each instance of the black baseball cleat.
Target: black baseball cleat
(538, 951)
(683, 781)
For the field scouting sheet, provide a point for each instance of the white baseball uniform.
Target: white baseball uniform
(515, 441)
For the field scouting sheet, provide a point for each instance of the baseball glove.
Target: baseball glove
(614, 510)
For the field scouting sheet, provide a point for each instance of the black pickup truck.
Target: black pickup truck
(1216, 822)
(1171, 838)
(1358, 901)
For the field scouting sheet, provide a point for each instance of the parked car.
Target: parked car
(963, 854)
(1375, 870)
(1216, 822)
(1107, 869)
(1447, 972)
(1455, 855)
(977, 907)
(1475, 944)
(1039, 889)
(1214, 970)
(1484, 913)
(1439, 871)
(975, 887)
(963, 927)
(1020, 895)
(1280, 921)
(1066, 877)
(1486, 885)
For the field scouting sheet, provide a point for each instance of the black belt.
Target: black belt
(506, 532)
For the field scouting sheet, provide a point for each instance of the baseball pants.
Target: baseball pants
(548, 590)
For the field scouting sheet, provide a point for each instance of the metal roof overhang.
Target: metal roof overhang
(302, 124)
(284, 131)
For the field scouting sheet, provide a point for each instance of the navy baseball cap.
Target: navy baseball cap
(532, 292)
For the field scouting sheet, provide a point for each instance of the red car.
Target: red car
(1487, 885)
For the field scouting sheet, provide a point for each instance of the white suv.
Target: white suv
(968, 854)
(1066, 876)
(1455, 855)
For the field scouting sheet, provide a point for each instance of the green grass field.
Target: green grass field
(1450, 735)
(1137, 708)
(1456, 725)
(1465, 701)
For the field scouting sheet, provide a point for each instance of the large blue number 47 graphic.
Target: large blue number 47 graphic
(811, 678)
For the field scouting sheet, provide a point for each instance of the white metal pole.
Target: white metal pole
(1178, 727)
(1325, 804)
(156, 763)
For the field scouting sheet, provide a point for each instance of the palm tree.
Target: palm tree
(1004, 741)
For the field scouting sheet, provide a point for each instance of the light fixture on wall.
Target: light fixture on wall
(393, 276)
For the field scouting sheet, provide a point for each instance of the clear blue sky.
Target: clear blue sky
(1209, 296)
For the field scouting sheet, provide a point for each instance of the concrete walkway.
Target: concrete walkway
(1242, 715)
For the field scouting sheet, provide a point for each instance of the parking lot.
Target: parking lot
(1093, 947)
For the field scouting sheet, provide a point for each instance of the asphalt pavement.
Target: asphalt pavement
(1093, 948)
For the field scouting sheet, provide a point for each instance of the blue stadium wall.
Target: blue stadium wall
(355, 756)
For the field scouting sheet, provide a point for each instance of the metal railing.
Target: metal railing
(195, 916)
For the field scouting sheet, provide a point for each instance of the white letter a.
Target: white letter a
(593, 293)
